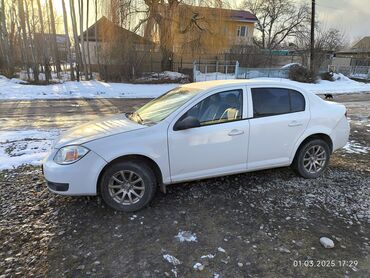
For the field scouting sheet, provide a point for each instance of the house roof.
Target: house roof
(233, 15)
(363, 44)
(105, 26)
(361, 47)
(239, 15)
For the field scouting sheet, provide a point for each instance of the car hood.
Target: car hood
(96, 129)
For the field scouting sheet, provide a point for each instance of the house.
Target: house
(358, 54)
(116, 48)
(202, 30)
(47, 39)
(203, 33)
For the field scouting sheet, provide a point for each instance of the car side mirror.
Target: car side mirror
(186, 123)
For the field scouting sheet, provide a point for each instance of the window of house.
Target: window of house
(218, 108)
(276, 101)
(241, 31)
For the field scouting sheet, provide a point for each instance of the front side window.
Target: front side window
(218, 108)
(241, 31)
(161, 107)
(276, 101)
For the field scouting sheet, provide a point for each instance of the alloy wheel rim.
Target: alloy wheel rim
(314, 159)
(126, 187)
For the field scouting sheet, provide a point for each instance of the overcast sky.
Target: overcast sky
(350, 16)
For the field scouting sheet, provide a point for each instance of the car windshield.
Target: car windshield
(159, 108)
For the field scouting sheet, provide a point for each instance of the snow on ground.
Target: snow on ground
(183, 236)
(354, 147)
(171, 259)
(25, 147)
(11, 89)
(341, 85)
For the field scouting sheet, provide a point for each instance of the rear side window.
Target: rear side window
(276, 101)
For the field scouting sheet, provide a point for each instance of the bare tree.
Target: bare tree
(65, 19)
(5, 42)
(96, 35)
(35, 66)
(277, 20)
(54, 39)
(80, 13)
(87, 39)
(327, 41)
(75, 38)
(42, 45)
(24, 38)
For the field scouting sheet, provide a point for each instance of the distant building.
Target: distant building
(47, 41)
(358, 54)
(119, 49)
(212, 30)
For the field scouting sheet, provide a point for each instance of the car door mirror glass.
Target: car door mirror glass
(186, 123)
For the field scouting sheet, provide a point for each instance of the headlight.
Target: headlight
(70, 154)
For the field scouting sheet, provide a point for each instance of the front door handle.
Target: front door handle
(294, 123)
(235, 132)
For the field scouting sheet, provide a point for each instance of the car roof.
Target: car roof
(205, 85)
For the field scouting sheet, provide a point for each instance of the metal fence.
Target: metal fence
(359, 72)
(247, 73)
(215, 70)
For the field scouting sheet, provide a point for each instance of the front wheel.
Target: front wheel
(312, 159)
(128, 186)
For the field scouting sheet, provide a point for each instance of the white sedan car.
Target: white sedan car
(196, 131)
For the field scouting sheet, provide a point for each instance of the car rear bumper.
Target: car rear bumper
(79, 178)
(340, 134)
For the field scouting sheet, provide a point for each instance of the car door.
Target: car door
(219, 145)
(279, 117)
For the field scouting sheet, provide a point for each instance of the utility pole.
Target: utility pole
(312, 51)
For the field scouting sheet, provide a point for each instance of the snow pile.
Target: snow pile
(163, 77)
(198, 266)
(25, 147)
(183, 236)
(290, 65)
(11, 89)
(340, 77)
(171, 259)
(354, 147)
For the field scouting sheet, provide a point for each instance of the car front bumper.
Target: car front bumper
(79, 178)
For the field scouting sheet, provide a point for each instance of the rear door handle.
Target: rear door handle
(235, 132)
(294, 123)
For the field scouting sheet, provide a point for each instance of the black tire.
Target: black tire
(301, 163)
(109, 186)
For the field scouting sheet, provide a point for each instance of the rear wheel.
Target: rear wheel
(312, 159)
(128, 186)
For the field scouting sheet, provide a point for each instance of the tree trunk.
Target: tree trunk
(24, 40)
(68, 41)
(75, 38)
(54, 41)
(96, 36)
(5, 44)
(80, 11)
(87, 39)
(43, 50)
(35, 66)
